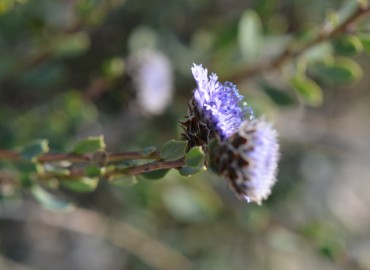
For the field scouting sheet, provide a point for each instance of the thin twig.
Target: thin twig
(81, 158)
(149, 167)
(290, 52)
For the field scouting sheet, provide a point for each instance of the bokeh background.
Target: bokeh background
(75, 68)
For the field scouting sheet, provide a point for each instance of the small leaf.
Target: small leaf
(365, 40)
(188, 171)
(89, 145)
(148, 150)
(348, 45)
(250, 35)
(308, 90)
(318, 52)
(55, 170)
(280, 97)
(155, 175)
(122, 180)
(49, 201)
(172, 150)
(93, 171)
(81, 184)
(35, 149)
(195, 158)
(340, 71)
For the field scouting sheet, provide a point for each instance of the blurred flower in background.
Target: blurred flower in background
(153, 78)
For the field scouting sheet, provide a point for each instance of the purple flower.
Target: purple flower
(249, 160)
(221, 104)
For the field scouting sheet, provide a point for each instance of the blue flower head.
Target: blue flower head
(221, 104)
(249, 160)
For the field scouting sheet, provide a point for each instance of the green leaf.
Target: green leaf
(365, 40)
(155, 175)
(188, 171)
(71, 44)
(148, 150)
(123, 180)
(35, 149)
(318, 52)
(172, 150)
(308, 90)
(93, 171)
(49, 201)
(89, 145)
(195, 158)
(81, 184)
(340, 71)
(55, 170)
(348, 45)
(250, 35)
(280, 97)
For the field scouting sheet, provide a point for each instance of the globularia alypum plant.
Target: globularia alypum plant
(220, 131)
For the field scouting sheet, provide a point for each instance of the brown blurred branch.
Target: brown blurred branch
(149, 167)
(152, 251)
(292, 52)
(111, 157)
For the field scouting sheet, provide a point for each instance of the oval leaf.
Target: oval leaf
(154, 175)
(365, 40)
(278, 96)
(188, 171)
(308, 90)
(89, 145)
(250, 35)
(81, 185)
(195, 158)
(340, 71)
(348, 45)
(173, 150)
(35, 149)
(122, 180)
(49, 201)
(93, 171)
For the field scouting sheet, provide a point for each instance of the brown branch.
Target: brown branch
(290, 52)
(131, 155)
(134, 170)
(81, 158)
(149, 167)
